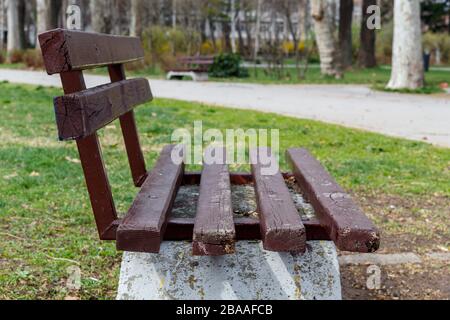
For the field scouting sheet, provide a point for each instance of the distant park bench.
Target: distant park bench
(214, 231)
(195, 67)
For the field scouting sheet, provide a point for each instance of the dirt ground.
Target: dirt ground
(405, 229)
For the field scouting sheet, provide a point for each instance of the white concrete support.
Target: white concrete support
(251, 274)
(196, 76)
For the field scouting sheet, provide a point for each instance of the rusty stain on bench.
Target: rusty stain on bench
(82, 112)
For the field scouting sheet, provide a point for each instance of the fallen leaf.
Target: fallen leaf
(35, 174)
(10, 176)
(72, 160)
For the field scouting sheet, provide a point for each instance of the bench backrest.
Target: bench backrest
(81, 112)
(197, 60)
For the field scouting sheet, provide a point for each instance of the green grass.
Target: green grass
(46, 223)
(15, 66)
(376, 77)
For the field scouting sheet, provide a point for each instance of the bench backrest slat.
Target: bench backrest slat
(68, 50)
(81, 114)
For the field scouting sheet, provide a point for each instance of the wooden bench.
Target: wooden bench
(81, 112)
(195, 67)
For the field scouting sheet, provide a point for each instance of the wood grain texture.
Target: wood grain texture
(81, 114)
(214, 232)
(143, 228)
(68, 50)
(349, 228)
(282, 229)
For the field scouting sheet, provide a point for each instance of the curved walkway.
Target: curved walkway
(416, 117)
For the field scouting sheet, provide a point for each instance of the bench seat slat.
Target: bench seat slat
(214, 231)
(282, 229)
(81, 114)
(142, 230)
(69, 50)
(349, 227)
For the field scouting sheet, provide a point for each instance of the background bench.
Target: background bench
(196, 67)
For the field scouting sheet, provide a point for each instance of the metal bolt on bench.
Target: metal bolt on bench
(81, 112)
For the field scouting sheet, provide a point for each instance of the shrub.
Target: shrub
(2, 58)
(162, 45)
(228, 65)
(33, 59)
(207, 48)
(15, 56)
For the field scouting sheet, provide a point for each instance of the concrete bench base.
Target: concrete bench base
(196, 76)
(251, 274)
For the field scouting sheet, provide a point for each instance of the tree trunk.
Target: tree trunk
(136, 18)
(258, 30)
(233, 25)
(345, 32)
(101, 12)
(174, 13)
(366, 56)
(407, 59)
(326, 42)
(15, 26)
(2, 24)
(43, 17)
(303, 22)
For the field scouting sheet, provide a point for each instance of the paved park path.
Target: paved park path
(416, 117)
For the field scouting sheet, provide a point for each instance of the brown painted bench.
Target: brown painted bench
(81, 112)
(195, 67)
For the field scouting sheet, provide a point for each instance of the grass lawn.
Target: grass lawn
(375, 76)
(46, 223)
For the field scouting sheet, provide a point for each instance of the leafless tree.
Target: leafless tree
(366, 55)
(345, 32)
(16, 25)
(322, 12)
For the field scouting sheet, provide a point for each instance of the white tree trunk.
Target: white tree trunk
(42, 17)
(174, 13)
(303, 20)
(233, 25)
(136, 18)
(258, 30)
(14, 40)
(102, 17)
(407, 59)
(322, 11)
